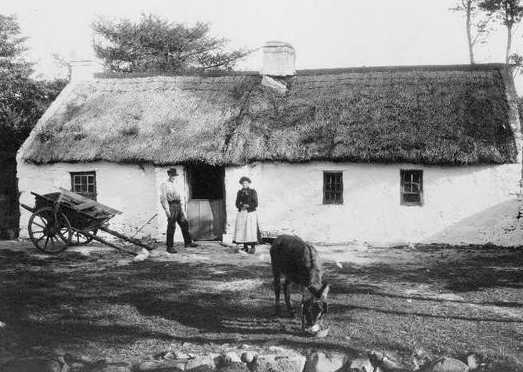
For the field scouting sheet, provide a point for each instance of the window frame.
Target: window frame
(87, 194)
(335, 201)
(403, 173)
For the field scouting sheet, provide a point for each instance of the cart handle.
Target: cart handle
(30, 209)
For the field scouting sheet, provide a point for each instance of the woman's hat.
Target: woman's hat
(172, 172)
(243, 179)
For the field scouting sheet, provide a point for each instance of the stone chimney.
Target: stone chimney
(278, 59)
(83, 70)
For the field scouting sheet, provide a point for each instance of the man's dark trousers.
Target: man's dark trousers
(177, 216)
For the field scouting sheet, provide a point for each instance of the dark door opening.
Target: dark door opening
(206, 205)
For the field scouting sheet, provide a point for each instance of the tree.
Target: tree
(63, 64)
(477, 24)
(12, 49)
(154, 44)
(22, 99)
(22, 102)
(508, 13)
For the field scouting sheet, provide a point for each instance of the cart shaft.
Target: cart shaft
(109, 244)
(126, 238)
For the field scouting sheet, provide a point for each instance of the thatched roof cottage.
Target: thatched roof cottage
(381, 154)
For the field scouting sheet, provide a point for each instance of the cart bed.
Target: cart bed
(83, 213)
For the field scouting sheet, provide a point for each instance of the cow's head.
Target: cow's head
(314, 308)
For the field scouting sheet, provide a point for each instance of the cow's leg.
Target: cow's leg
(276, 285)
(287, 295)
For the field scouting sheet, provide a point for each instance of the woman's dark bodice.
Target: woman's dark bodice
(247, 197)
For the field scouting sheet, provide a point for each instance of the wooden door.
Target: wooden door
(206, 218)
(206, 205)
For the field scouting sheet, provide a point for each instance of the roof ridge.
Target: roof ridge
(319, 71)
(407, 68)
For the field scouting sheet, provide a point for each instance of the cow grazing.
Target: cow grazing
(297, 262)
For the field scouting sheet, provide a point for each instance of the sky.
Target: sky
(325, 33)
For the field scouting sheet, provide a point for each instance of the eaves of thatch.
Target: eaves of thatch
(452, 115)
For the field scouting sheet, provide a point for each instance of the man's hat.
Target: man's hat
(244, 178)
(172, 172)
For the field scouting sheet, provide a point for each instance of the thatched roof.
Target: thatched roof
(432, 115)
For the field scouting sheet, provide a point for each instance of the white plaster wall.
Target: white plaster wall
(461, 204)
(129, 188)
(290, 201)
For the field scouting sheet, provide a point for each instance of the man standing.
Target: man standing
(171, 203)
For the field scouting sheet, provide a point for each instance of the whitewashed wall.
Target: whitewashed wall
(127, 187)
(461, 204)
(455, 199)
(132, 189)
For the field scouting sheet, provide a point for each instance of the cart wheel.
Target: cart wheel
(77, 238)
(49, 234)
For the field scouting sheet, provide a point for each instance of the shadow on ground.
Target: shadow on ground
(98, 303)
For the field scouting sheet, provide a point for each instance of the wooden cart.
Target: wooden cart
(65, 218)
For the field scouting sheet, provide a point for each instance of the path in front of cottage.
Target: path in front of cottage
(93, 300)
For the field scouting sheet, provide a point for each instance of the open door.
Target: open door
(206, 205)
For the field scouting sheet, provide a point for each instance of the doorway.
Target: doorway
(206, 205)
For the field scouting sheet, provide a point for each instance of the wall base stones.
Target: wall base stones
(253, 359)
(289, 361)
(327, 362)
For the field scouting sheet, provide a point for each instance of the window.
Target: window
(84, 183)
(411, 187)
(332, 188)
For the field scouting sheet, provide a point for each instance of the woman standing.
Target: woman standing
(246, 231)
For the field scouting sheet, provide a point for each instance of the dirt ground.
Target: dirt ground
(96, 301)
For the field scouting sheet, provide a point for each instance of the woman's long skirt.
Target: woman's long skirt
(246, 230)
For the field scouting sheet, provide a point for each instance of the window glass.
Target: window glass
(332, 188)
(411, 186)
(84, 183)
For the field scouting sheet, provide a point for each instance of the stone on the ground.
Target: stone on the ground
(322, 333)
(363, 364)
(113, 367)
(420, 358)
(234, 367)
(70, 359)
(231, 357)
(142, 256)
(387, 362)
(201, 362)
(154, 365)
(179, 355)
(77, 366)
(325, 362)
(248, 356)
(277, 349)
(446, 364)
(473, 361)
(286, 360)
(2, 324)
(169, 355)
(199, 369)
